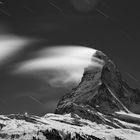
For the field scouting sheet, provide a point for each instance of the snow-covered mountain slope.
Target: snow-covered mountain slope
(61, 127)
(101, 107)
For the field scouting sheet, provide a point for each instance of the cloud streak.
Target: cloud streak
(10, 45)
(59, 65)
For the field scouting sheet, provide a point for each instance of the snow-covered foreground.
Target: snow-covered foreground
(54, 127)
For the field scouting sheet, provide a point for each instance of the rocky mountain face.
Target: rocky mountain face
(101, 107)
(101, 89)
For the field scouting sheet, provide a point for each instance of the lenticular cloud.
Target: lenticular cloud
(59, 65)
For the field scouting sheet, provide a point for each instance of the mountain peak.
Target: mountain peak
(100, 55)
(101, 89)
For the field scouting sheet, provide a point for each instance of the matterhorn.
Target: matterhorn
(102, 107)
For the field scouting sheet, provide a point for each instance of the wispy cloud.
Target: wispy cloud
(10, 45)
(59, 65)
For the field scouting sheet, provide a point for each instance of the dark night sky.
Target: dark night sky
(106, 25)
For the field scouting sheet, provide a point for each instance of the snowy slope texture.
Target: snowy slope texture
(101, 107)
